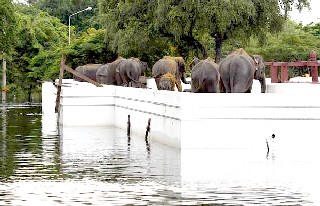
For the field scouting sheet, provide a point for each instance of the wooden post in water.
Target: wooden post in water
(4, 78)
(63, 61)
(128, 126)
(148, 129)
(64, 67)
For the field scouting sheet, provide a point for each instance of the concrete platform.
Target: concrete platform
(193, 121)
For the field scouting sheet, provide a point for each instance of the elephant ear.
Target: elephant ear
(256, 62)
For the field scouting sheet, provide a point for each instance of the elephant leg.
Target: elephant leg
(221, 87)
(248, 90)
(212, 88)
(118, 79)
(157, 80)
(178, 84)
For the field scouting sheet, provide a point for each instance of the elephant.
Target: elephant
(173, 65)
(205, 77)
(144, 67)
(193, 63)
(88, 70)
(123, 72)
(112, 72)
(130, 72)
(167, 82)
(238, 70)
(101, 75)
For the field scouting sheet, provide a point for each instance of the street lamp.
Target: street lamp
(89, 8)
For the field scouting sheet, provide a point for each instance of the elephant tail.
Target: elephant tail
(198, 89)
(134, 73)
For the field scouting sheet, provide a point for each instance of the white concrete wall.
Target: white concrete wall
(83, 104)
(191, 121)
(162, 107)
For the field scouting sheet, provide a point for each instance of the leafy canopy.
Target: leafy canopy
(7, 25)
(132, 25)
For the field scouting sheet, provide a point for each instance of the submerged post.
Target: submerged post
(4, 78)
(314, 68)
(128, 126)
(148, 129)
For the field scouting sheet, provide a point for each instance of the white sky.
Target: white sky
(307, 16)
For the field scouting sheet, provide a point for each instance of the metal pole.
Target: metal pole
(69, 31)
(89, 8)
(4, 79)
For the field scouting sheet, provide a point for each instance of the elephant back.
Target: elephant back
(205, 77)
(160, 67)
(102, 74)
(88, 70)
(131, 68)
(113, 71)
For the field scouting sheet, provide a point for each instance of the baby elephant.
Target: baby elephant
(205, 77)
(167, 82)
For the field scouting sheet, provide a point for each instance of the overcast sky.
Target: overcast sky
(306, 16)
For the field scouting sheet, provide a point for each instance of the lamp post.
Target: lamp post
(89, 8)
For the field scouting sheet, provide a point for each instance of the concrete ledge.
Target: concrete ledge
(191, 121)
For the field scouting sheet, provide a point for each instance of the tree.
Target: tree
(292, 44)
(90, 47)
(7, 25)
(63, 8)
(185, 23)
(39, 40)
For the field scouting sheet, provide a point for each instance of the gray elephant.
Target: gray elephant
(238, 70)
(173, 65)
(101, 75)
(122, 72)
(205, 77)
(130, 72)
(112, 72)
(88, 70)
(193, 63)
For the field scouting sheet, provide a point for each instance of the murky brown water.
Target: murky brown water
(41, 164)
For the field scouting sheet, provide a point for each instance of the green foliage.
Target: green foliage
(292, 44)
(90, 47)
(133, 26)
(7, 25)
(313, 29)
(37, 48)
(62, 9)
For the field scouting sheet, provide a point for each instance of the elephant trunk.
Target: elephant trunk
(262, 81)
(183, 79)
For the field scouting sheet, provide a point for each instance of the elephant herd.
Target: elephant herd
(234, 74)
(121, 72)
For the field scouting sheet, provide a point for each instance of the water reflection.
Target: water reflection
(43, 164)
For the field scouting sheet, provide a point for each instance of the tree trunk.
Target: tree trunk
(29, 93)
(195, 44)
(218, 40)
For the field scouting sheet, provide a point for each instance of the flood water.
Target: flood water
(42, 164)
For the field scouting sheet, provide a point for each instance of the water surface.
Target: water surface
(43, 164)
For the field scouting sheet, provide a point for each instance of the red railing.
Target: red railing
(312, 63)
